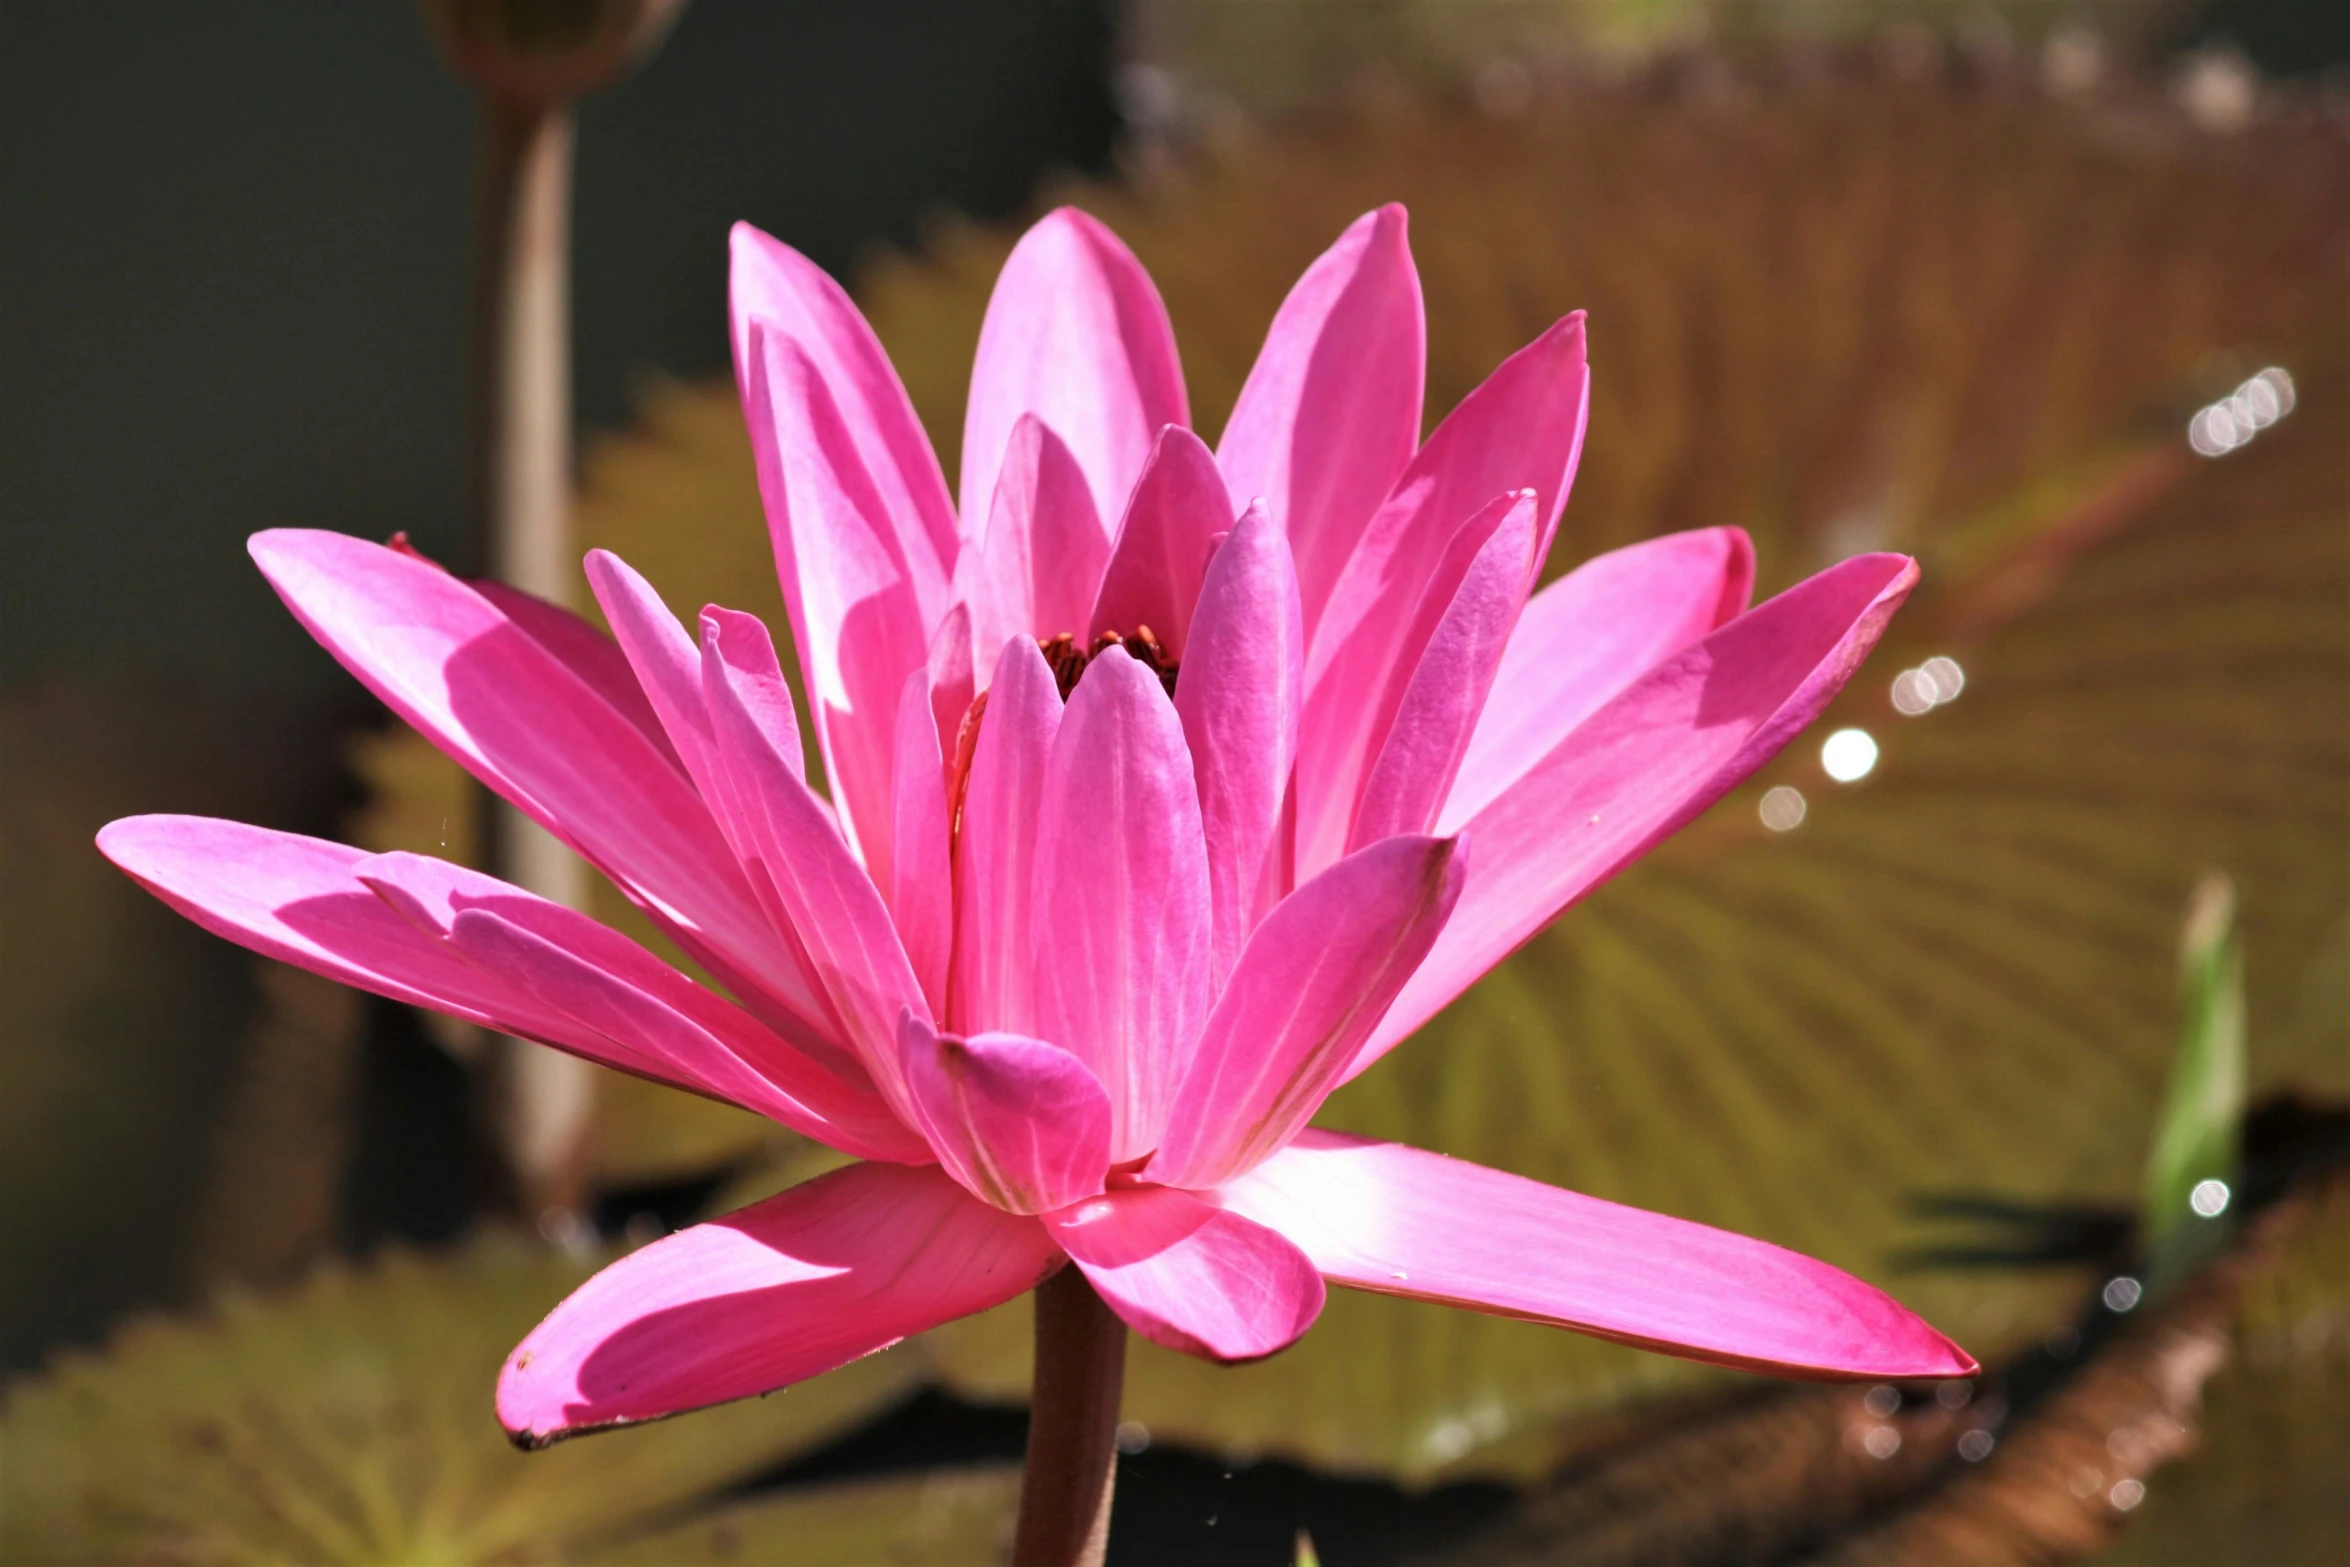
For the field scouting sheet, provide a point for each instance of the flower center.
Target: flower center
(1067, 661)
(1067, 658)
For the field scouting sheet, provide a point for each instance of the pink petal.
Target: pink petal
(662, 660)
(594, 657)
(1316, 977)
(1521, 430)
(379, 923)
(300, 900)
(812, 885)
(1242, 681)
(1021, 1123)
(1120, 940)
(1076, 335)
(1331, 412)
(1632, 774)
(431, 893)
(1421, 752)
(449, 662)
(1352, 696)
(953, 674)
(921, 895)
(747, 650)
(1035, 571)
(667, 1017)
(1153, 577)
(784, 990)
(773, 284)
(1189, 1275)
(1398, 1221)
(847, 1264)
(862, 603)
(1590, 634)
(995, 844)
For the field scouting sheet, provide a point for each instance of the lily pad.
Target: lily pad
(349, 1421)
(1963, 325)
(938, 1518)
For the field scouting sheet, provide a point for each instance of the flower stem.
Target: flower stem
(1072, 1427)
(539, 1103)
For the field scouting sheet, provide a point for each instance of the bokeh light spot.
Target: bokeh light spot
(1849, 755)
(1783, 809)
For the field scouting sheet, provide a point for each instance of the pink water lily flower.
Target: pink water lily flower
(1169, 789)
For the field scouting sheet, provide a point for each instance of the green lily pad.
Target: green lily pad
(1967, 327)
(349, 1421)
(938, 1518)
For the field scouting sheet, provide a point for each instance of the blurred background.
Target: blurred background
(2045, 925)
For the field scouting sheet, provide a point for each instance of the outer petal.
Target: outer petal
(1021, 1123)
(1189, 1275)
(784, 990)
(662, 660)
(667, 1016)
(1397, 1221)
(995, 845)
(747, 652)
(1592, 633)
(381, 923)
(1035, 572)
(1521, 430)
(1120, 947)
(844, 1265)
(813, 886)
(1331, 412)
(1153, 579)
(430, 894)
(862, 605)
(575, 643)
(300, 900)
(1649, 761)
(1076, 335)
(1435, 715)
(774, 284)
(449, 662)
(594, 657)
(921, 894)
(1353, 697)
(1243, 681)
(1316, 977)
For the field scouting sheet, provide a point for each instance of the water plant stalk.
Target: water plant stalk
(1072, 1466)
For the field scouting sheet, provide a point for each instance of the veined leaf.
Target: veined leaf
(1868, 317)
(936, 1518)
(349, 1421)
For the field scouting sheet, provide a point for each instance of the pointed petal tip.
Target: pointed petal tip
(1939, 1356)
(127, 841)
(272, 545)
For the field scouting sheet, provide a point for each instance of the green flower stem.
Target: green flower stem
(1072, 1427)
